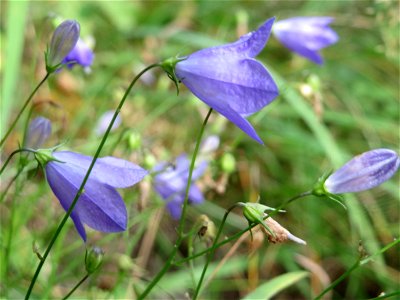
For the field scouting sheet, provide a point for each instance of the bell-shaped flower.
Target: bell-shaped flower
(64, 39)
(100, 206)
(39, 131)
(81, 54)
(363, 172)
(228, 78)
(170, 183)
(105, 120)
(306, 35)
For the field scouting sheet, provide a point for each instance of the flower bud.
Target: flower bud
(281, 234)
(228, 163)
(104, 122)
(363, 172)
(134, 140)
(62, 42)
(38, 132)
(93, 259)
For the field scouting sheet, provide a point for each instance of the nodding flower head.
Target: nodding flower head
(99, 206)
(170, 184)
(363, 172)
(39, 131)
(306, 35)
(62, 42)
(81, 54)
(228, 78)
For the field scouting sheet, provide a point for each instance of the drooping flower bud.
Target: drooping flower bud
(38, 132)
(93, 259)
(281, 234)
(105, 120)
(255, 213)
(62, 42)
(363, 172)
(228, 163)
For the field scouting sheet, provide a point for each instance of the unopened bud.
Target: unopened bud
(38, 132)
(228, 163)
(93, 259)
(281, 234)
(62, 42)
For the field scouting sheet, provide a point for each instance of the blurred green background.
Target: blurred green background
(323, 116)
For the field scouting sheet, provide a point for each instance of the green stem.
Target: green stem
(76, 286)
(80, 190)
(237, 235)
(22, 109)
(211, 254)
(11, 226)
(213, 248)
(358, 263)
(3, 195)
(12, 154)
(168, 263)
(189, 182)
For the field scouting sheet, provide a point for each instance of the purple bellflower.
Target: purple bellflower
(363, 172)
(170, 184)
(64, 39)
(81, 54)
(100, 206)
(228, 78)
(306, 35)
(39, 131)
(105, 120)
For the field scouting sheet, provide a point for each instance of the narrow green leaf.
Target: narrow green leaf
(15, 28)
(274, 286)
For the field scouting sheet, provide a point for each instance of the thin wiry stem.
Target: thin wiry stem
(76, 286)
(23, 109)
(80, 190)
(211, 253)
(180, 238)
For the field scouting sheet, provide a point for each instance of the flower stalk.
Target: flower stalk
(180, 238)
(10, 129)
(80, 190)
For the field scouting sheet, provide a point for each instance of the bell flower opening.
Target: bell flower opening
(228, 78)
(306, 35)
(100, 206)
(170, 184)
(81, 54)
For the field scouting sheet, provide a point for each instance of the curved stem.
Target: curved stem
(211, 254)
(76, 286)
(189, 182)
(80, 190)
(22, 109)
(12, 154)
(213, 248)
(171, 257)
